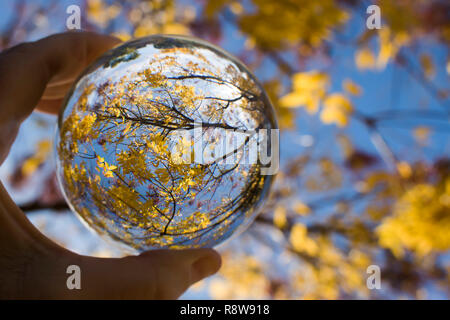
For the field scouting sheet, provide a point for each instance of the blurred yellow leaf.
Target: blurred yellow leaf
(404, 169)
(385, 54)
(351, 87)
(31, 164)
(336, 109)
(420, 221)
(301, 208)
(294, 100)
(308, 90)
(278, 24)
(365, 59)
(279, 217)
(390, 43)
(310, 81)
(359, 258)
(101, 13)
(175, 28)
(301, 242)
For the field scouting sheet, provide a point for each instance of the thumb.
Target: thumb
(159, 274)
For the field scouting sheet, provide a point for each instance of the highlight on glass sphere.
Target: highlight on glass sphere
(166, 142)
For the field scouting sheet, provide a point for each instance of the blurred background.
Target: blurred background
(364, 117)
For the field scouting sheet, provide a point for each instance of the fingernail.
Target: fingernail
(205, 266)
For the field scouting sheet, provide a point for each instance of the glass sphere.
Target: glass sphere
(158, 144)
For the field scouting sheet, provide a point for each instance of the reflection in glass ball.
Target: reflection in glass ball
(156, 144)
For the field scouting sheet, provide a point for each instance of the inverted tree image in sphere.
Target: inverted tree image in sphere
(159, 144)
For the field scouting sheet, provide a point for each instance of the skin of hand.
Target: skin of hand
(34, 267)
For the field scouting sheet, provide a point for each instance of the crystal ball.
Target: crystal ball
(160, 143)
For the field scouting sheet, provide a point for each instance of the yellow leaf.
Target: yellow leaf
(384, 55)
(308, 90)
(336, 109)
(301, 242)
(417, 223)
(387, 48)
(308, 81)
(351, 87)
(175, 28)
(390, 43)
(293, 100)
(29, 166)
(298, 233)
(44, 147)
(301, 208)
(404, 169)
(109, 174)
(365, 59)
(279, 217)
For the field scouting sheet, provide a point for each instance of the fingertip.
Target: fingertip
(206, 265)
(175, 270)
(201, 262)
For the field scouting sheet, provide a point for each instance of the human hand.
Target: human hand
(32, 266)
